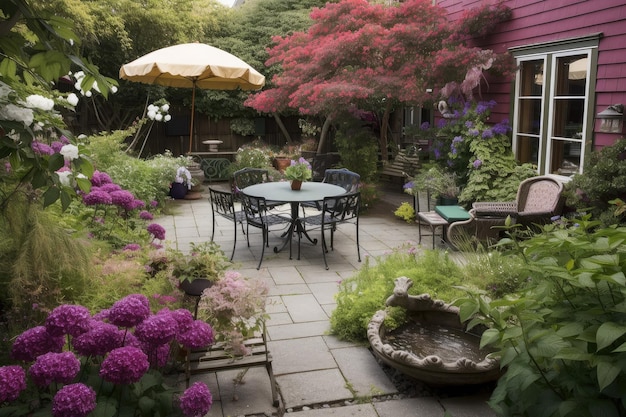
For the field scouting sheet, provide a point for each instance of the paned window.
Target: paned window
(552, 109)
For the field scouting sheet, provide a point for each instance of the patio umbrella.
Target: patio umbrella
(193, 65)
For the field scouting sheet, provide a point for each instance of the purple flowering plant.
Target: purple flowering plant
(110, 363)
(477, 151)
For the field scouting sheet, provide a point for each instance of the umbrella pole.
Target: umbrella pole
(193, 112)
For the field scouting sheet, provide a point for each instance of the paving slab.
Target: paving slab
(300, 355)
(315, 387)
(298, 330)
(252, 396)
(417, 407)
(364, 374)
(360, 410)
(304, 308)
(473, 406)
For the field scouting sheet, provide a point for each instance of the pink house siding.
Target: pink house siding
(538, 21)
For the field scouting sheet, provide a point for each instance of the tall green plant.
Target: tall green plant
(358, 149)
(562, 338)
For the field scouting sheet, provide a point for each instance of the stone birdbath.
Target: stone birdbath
(433, 346)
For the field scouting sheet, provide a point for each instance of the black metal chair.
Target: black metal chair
(336, 210)
(250, 176)
(255, 210)
(342, 177)
(223, 204)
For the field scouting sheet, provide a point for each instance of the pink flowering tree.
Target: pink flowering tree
(359, 56)
(104, 363)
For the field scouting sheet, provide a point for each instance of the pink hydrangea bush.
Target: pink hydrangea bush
(82, 361)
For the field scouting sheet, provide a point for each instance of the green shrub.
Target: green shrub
(361, 295)
(358, 150)
(562, 337)
(604, 179)
(406, 212)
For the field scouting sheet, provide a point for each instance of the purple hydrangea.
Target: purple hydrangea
(95, 197)
(200, 335)
(477, 163)
(145, 215)
(157, 355)
(110, 187)
(154, 203)
(132, 247)
(469, 124)
(12, 382)
(481, 107)
(408, 185)
(457, 139)
(54, 367)
(41, 148)
(425, 126)
(124, 365)
(34, 342)
(100, 178)
(487, 134)
(196, 401)
(156, 230)
(157, 329)
(183, 317)
(74, 400)
(68, 319)
(473, 132)
(99, 340)
(138, 204)
(130, 310)
(123, 198)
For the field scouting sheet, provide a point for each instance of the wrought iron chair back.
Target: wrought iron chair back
(344, 178)
(223, 204)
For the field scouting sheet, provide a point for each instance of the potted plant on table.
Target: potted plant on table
(441, 185)
(298, 172)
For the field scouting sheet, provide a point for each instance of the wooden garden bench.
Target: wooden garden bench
(217, 358)
(404, 165)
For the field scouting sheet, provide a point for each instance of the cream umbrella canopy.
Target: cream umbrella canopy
(192, 65)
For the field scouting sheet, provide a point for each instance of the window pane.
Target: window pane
(527, 149)
(565, 157)
(571, 75)
(531, 83)
(568, 118)
(529, 115)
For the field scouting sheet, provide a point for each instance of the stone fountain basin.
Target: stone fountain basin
(433, 346)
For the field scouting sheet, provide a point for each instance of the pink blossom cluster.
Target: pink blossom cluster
(128, 337)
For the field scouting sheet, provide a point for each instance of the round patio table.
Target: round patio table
(281, 192)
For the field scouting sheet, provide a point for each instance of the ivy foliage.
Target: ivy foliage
(562, 337)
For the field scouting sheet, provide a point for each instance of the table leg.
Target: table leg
(297, 227)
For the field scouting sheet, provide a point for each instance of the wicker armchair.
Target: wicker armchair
(538, 200)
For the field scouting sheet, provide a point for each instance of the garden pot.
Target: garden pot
(178, 190)
(296, 185)
(195, 287)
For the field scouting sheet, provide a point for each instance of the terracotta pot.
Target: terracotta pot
(195, 287)
(296, 185)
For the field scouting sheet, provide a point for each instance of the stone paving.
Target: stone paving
(317, 374)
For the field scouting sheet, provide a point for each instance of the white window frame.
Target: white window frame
(550, 53)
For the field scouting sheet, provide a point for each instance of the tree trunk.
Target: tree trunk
(324, 134)
(384, 127)
(283, 129)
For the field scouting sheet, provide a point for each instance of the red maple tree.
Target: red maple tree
(359, 56)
